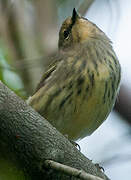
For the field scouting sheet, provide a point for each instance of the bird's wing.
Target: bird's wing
(46, 75)
(51, 67)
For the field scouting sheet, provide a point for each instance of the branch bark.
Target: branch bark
(27, 140)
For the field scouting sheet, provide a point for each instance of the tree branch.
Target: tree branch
(70, 171)
(27, 140)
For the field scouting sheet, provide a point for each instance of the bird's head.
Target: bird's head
(77, 29)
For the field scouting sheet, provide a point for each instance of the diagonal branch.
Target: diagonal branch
(27, 140)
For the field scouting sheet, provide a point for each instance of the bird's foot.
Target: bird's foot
(99, 167)
(74, 143)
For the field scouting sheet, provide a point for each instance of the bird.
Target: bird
(80, 86)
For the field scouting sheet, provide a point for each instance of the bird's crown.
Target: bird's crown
(77, 29)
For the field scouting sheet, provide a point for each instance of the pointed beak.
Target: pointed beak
(74, 16)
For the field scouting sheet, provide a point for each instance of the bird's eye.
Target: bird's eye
(66, 34)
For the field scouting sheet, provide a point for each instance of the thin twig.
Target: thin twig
(70, 171)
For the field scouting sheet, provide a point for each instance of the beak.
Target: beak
(74, 16)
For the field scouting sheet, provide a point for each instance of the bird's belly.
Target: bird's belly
(82, 115)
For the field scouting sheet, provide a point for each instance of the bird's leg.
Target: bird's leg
(73, 142)
(99, 167)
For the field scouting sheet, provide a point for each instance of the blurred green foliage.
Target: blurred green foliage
(8, 75)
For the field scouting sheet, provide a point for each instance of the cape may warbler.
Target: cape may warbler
(79, 89)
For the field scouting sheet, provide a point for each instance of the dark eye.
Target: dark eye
(66, 34)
